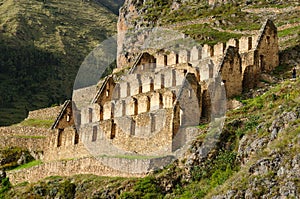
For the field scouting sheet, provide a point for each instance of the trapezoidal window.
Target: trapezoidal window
(165, 60)
(68, 118)
(190, 93)
(139, 83)
(162, 80)
(173, 78)
(123, 107)
(128, 89)
(59, 137)
(76, 138)
(113, 130)
(107, 90)
(112, 113)
(132, 127)
(261, 62)
(249, 43)
(90, 115)
(136, 105)
(94, 135)
(101, 113)
(181, 117)
(151, 85)
(148, 103)
(161, 103)
(153, 122)
(268, 39)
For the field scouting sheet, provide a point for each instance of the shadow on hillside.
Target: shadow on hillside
(31, 79)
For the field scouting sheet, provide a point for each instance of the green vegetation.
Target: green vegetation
(191, 11)
(30, 136)
(146, 188)
(222, 170)
(4, 187)
(204, 34)
(218, 172)
(293, 30)
(28, 165)
(37, 123)
(11, 155)
(42, 44)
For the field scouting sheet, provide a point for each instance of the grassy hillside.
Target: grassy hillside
(42, 44)
(212, 24)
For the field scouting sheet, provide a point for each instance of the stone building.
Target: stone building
(148, 111)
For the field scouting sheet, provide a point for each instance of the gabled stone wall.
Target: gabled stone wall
(146, 110)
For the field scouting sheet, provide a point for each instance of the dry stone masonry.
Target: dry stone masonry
(149, 110)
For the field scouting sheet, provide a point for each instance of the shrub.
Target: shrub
(4, 187)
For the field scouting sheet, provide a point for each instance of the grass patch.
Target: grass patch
(204, 34)
(28, 165)
(37, 123)
(30, 136)
(289, 31)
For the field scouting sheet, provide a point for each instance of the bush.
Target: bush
(145, 188)
(4, 187)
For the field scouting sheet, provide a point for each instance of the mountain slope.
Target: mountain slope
(112, 5)
(42, 45)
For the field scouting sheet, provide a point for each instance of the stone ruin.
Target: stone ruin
(146, 112)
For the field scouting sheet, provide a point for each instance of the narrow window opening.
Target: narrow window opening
(162, 81)
(76, 138)
(249, 43)
(112, 113)
(165, 60)
(128, 89)
(261, 62)
(161, 104)
(190, 93)
(101, 113)
(151, 85)
(132, 128)
(68, 118)
(153, 123)
(113, 130)
(181, 117)
(90, 115)
(148, 103)
(173, 78)
(59, 137)
(135, 106)
(123, 108)
(268, 39)
(212, 52)
(94, 135)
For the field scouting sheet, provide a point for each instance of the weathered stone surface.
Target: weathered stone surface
(2, 174)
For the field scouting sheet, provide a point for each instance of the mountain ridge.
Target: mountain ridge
(49, 38)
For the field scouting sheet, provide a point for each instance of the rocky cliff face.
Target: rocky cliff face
(140, 14)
